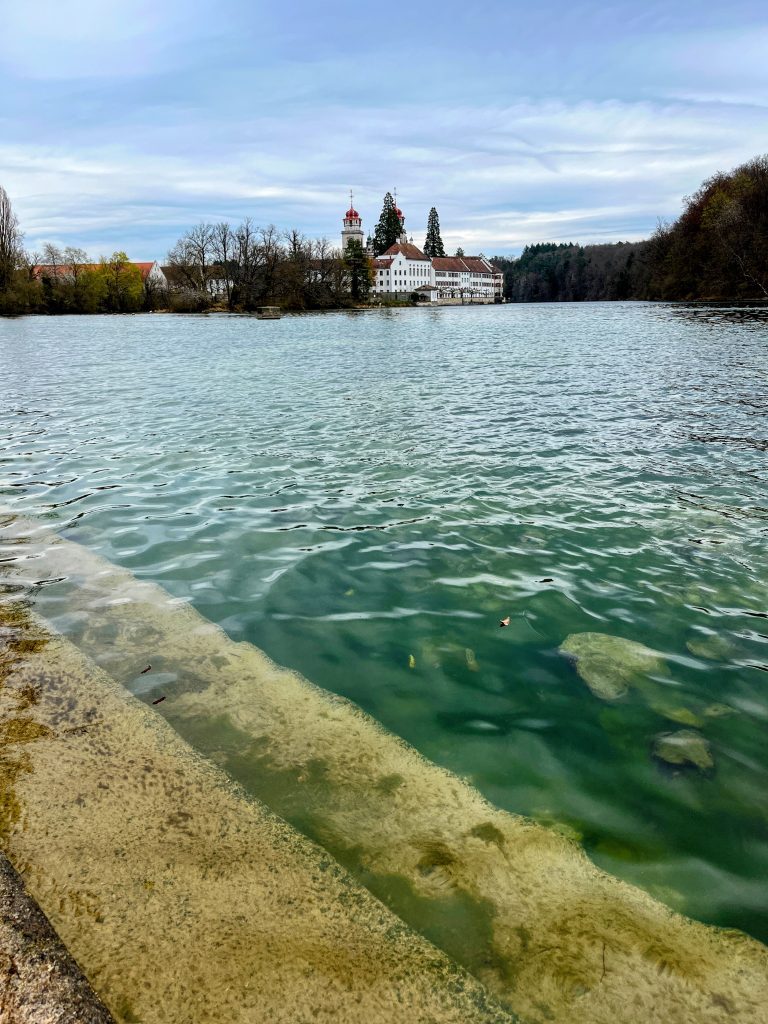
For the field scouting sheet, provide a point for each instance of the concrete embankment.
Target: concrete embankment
(552, 936)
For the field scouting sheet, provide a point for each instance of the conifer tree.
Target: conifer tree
(459, 251)
(359, 270)
(433, 246)
(388, 229)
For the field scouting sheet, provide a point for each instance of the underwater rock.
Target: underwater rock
(679, 714)
(609, 665)
(719, 711)
(712, 646)
(685, 747)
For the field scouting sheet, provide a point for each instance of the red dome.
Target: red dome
(352, 214)
(399, 212)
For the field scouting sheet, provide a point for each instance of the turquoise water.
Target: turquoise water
(365, 496)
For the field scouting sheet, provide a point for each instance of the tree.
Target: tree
(389, 227)
(459, 251)
(433, 246)
(192, 258)
(10, 241)
(123, 287)
(224, 250)
(359, 270)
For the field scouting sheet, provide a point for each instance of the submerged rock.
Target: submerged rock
(609, 665)
(711, 646)
(719, 711)
(682, 748)
(679, 714)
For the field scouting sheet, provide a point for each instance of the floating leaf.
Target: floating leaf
(411, 661)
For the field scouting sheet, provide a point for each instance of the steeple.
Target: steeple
(353, 225)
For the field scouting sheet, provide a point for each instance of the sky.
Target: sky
(122, 125)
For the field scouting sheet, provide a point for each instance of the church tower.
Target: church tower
(353, 227)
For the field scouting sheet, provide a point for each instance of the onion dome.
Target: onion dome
(352, 214)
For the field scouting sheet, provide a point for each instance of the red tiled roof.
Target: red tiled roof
(145, 268)
(465, 264)
(448, 263)
(408, 249)
(381, 264)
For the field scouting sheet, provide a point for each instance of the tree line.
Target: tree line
(219, 265)
(716, 249)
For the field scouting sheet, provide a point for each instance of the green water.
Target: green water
(365, 496)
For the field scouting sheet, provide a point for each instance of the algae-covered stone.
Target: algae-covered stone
(682, 748)
(719, 711)
(679, 714)
(610, 665)
(711, 646)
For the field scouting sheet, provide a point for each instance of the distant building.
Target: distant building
(401, 269)
(404, 269)
(471, 276)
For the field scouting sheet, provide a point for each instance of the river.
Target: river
(366, 496)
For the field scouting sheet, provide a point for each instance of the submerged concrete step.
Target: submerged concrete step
(185, 901)
(523, 908)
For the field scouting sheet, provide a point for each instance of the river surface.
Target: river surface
(365, 496)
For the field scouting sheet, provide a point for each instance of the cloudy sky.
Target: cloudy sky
(123, 124)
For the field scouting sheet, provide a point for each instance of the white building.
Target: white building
(401, 270)
(470, 277)
(404, 269)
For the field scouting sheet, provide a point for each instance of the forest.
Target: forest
(716, 250)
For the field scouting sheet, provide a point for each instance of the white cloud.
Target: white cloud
(500, 176)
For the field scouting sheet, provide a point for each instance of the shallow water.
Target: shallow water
(364, 496)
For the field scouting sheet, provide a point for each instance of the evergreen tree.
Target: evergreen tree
(433, 246)
(459, 251)
(359, 270)
(388, 229)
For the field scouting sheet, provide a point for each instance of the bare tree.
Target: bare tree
(271, 254)
(52, 261)
(193, 256)
(224, 251)
(10, 241)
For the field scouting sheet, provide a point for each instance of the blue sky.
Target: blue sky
(121, 125)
